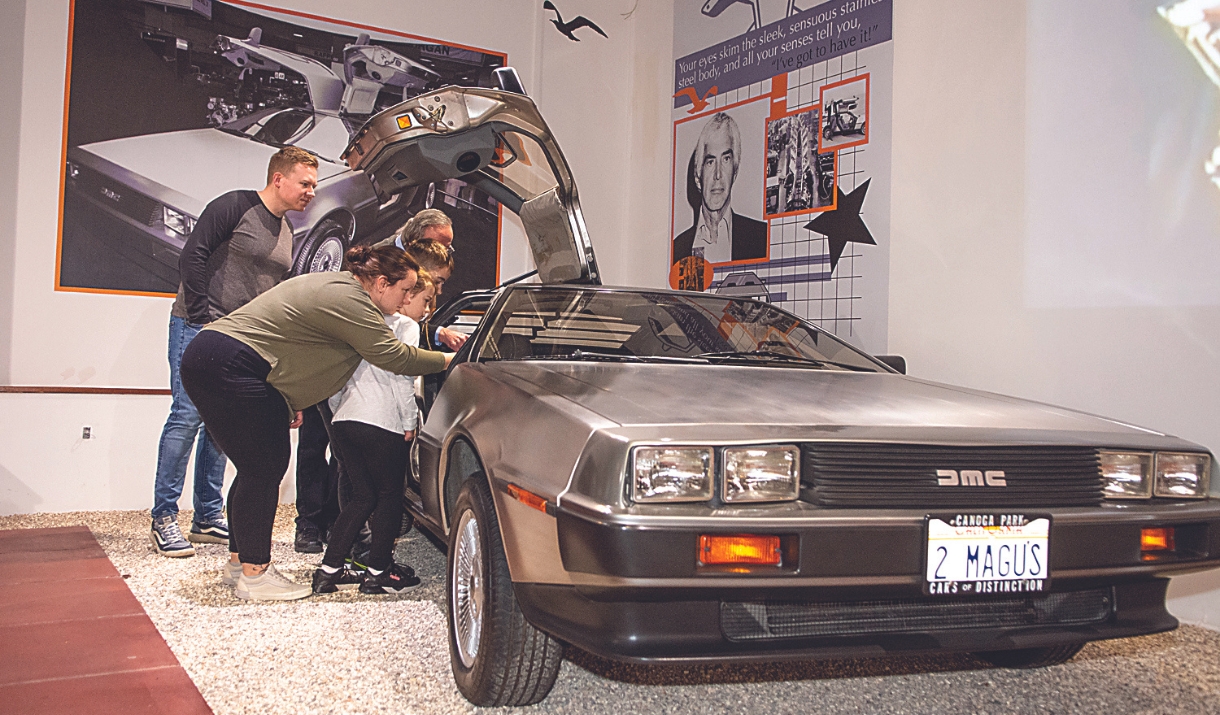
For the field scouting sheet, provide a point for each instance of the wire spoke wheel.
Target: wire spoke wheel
(498, 657)
(467, 594)
(323, 248)
(328, 257)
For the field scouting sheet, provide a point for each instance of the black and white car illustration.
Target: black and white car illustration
(743, 284)
(662, 477)
(158, 184)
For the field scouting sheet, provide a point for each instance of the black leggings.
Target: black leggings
(248, 419)
(375, 460)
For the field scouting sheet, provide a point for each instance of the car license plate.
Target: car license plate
(987, 553)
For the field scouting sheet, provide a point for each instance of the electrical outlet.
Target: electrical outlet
(86, 433)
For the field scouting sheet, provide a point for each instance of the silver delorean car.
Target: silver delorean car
(658, 476)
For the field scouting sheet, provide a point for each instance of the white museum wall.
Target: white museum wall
(12, 43)
(960, 310)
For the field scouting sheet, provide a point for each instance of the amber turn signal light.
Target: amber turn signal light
(527, 498)
(1158, 539)
(739, 549)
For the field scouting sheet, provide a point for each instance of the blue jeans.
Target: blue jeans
(180, 431)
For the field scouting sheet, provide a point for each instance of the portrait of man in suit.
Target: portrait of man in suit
(718, 233)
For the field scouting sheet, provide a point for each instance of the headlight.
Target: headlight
(73, 170)
(671, 474)
(177, 221)
(1126, 475)
(755, 474)
(1181, 475)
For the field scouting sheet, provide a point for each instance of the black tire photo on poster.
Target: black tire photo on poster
(845, 113)
(323, 248)
(168, 109)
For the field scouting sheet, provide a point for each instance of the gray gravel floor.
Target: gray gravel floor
(350, 653)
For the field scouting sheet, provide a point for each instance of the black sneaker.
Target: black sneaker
(341, 580)
(167, 539)
(308, 540)
(357, 566)
(210, 531)
(396, 579)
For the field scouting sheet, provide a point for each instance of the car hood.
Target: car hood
(719, 402)
(176, 167)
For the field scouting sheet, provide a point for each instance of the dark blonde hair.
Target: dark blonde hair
(283, 160)
(430, 254)
(423, 281)
(368, 262)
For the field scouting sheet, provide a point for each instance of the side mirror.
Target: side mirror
(894, 362)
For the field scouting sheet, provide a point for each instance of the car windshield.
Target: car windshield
(272, 126)
(539, 323)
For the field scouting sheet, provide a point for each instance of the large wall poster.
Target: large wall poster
(169, 107)
(781, 165)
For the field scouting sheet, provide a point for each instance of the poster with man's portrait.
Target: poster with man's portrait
(718, 208)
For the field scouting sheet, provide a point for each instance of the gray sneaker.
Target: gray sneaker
(231, 573)
(167, 538)
(210, 531)
(271, 585)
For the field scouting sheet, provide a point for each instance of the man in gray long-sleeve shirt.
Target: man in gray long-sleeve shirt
(240, 246)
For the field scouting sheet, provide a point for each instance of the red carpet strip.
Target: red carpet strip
(73, 638)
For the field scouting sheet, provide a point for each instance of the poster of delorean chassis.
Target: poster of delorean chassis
(168, 107)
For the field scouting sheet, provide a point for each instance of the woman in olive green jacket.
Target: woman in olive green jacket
(253, 371)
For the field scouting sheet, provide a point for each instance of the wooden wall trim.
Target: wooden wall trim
(59, 390)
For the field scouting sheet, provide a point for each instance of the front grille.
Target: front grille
(855, 475)
(119, 197)
(771, 620)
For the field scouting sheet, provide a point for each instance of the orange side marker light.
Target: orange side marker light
(529, 499)
(1157, 539)
(739, 549)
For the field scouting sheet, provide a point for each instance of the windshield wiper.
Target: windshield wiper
(760, 354)
(614, 357)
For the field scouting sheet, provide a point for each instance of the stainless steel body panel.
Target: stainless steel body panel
(489, 410)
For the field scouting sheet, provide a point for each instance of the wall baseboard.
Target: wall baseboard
(57, 390)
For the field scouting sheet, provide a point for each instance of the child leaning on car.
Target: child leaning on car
(375, 418)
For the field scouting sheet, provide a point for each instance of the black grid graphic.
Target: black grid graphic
(798, 276)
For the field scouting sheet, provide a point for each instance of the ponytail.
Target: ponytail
(367, 262)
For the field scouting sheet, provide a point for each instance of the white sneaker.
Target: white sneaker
(231, 573)
(271, 585)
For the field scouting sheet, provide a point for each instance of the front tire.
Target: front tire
(498, 658)
(1032, 657)
(324, 248)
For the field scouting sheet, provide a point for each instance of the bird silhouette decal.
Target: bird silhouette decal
(569, 28)
(697, 104)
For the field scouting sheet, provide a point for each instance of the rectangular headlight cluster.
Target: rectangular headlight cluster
(765, 473)
(1140, 475)
(177, 221)
(753, 474)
